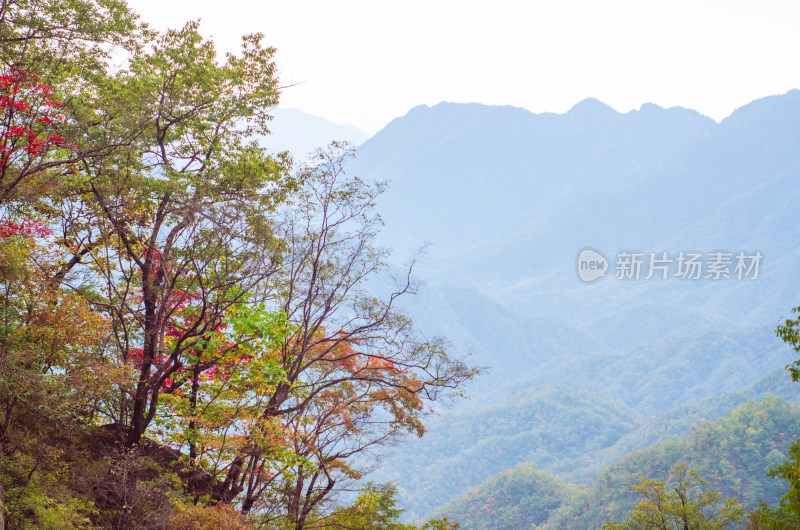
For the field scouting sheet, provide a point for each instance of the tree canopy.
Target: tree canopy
(187, 330)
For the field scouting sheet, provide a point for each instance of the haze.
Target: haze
(365, 63)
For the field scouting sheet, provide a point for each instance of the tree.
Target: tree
(162, 206)
(355, 374)
(169, 233)
(53, 56)
(224, 299)
(789, 332)
(52, 375)
(685, 504)
(787, 514)
(375, 509)
(31, 119)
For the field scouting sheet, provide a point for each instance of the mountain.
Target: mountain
(300, 133)
(678, 422)
(516, 499)
(476, 174)
(508, 199)
(570, 433)
(546, 425)
(733, 453)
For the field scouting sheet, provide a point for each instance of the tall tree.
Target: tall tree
(230, 300)
(355, 372)
(174, 228)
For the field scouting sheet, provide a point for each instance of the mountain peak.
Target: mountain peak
(591, 107)
(651, 107)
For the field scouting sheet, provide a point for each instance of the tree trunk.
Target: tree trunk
(2, 505)
(193, 410)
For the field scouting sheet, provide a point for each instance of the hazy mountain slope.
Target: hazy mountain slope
(509, 198)
(300, 133)
(678, 422)
(471, 173)
(733, 453)
(497, 337)
(735, 188)
(545, 425)
(666, 387)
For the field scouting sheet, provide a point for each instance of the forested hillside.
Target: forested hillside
(519, 498)
(501, 276)
(648, 387)
(733, 453)
(547, 425)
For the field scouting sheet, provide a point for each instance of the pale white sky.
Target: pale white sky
(367, 62)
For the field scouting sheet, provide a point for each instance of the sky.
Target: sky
(365, 63)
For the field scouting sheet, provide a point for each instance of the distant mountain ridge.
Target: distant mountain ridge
(504, 162)
(508, 198)
(301, 133)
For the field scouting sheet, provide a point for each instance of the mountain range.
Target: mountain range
(505, 201)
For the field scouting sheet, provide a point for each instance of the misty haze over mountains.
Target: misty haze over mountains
(301, 134)
(507, 199)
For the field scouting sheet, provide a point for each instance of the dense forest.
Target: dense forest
(571, 434)
(734, 454)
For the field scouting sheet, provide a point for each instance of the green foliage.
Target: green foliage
(734, 454)
(677, 422)
(82, 479)
(470, 446)
(38, 493)
(440, 524)
(789, 332)
(787, 514)
(375, 508)
(549, 425)
(519, 498)
(214, 418)
(783, 517)
(682, 504)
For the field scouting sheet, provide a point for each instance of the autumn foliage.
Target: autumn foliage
(187, 335)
